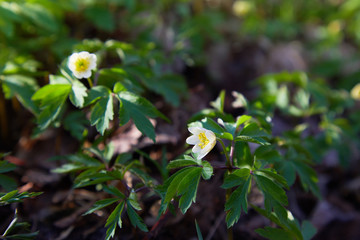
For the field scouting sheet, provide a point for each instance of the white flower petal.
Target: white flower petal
(192, 140)
(196, 149)
(196, 130)
(87, 74)
(210, 135)
(202, 154)
(81, 64)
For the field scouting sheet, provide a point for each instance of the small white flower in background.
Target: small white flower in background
(81, 64)
(203, 139)
(355, 92)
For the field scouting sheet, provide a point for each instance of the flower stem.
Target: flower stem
(90, 82)
(228, 161)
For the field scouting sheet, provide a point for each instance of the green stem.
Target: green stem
(228, 161)
(90, 82)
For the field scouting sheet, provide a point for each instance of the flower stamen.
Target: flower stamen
(203, 140)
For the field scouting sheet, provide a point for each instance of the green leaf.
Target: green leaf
(51, 99)
(135, 219)
(23, 88)
(237, 202)
(243, 156)
(284, 219)
(188, 189)
(308, 177)
(185, 183)
(218, 104)
(113, 220)
(282, 97)
(198, 231)
(138, 109)
(75, 123)
(87, 179)
(101, 204)
(207, 170)
(69, 167)
(253, 133)
(133, 201)
(271, 189)
(273, 176)
(236, 178)
(243, 119)
(181, 163)
(302, 98)
(172, 87)
(102, 113)
(114, 191)
(287, 169)
(253, 130)
(274, 233)
(308, 230)
(251, 139)
(5, 166)
(78, 93)
(95, 93)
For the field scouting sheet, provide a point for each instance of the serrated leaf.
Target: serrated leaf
(271, 189)
(23, 88)
(7, 182)
(51, 99)
(181, 163)
(236, 203)
(308, 177)
(113, 220)
(236, 178)
(133, 201)
(8, 195)
(101, 204)
(185, 183)
(95, 93)
(135, 219)
(78, 93)
(114, 191)
(188, 189)
(286, 222)
(138, 109)
(273, 176)
(257, 140)
(92, 179)
(102, 113)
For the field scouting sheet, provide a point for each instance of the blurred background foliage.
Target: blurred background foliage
(298, 59)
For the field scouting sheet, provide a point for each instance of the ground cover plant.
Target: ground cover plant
(179, 119)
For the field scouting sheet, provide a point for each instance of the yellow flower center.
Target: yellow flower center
(82, 64)
(203, 140)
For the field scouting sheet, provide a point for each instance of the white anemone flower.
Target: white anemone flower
(203, 139)
(81, 64)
